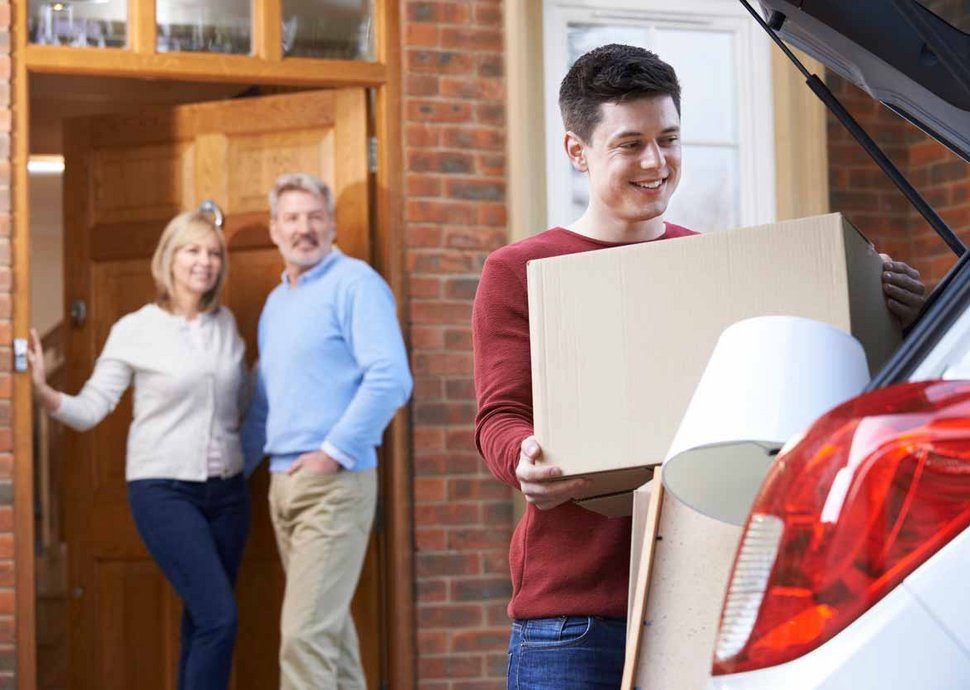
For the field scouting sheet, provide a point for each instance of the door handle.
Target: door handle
(210, 207)
(78, 313)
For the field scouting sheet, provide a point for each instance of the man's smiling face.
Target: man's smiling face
(302, 229)
(632, 160)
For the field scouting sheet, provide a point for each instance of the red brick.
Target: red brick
(429, 489)
(444, 162)
(433, 641)
(430, 540)
(490, 114)
(421, 85)
(444, 413)
(460, 288)
(429, 61)
(477, 489)
(447, 616)
(6, 518)
(439, 12)
(460, 439)
(420, 35)
(417, 135)
(496, 614)
(425, 438)
(428, 390)
(423, 236)
(427, 338)
(491, 164)
(460, 389)
(475, 190)
(473, 138)
(454, 513)
(492, 214)
(6, 601)
(474, 38)
(475, 539)
(483, 89)
(450, 666)
(443, 363)
(443, 262)
(427, 211)
(424, 185)
(423, 287)
(483, 239)
(433, 591)
(450, 464)
(476, 640)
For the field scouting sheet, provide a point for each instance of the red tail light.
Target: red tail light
(874, 488)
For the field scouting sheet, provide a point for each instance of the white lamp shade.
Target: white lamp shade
(768, 378)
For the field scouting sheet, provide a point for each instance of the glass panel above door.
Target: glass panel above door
(78, 23)
(335, 29)
(204, 26)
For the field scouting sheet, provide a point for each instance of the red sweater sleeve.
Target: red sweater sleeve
(503, 374)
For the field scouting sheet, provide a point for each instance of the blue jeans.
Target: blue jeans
(567, 653)
(196, 532)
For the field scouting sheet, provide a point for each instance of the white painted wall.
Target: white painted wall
(46, 251)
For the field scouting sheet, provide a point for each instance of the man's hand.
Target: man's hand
(541, 485)
(904, 290)
(316, 462)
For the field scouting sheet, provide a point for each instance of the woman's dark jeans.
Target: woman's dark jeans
(196, 532)
(567, 653)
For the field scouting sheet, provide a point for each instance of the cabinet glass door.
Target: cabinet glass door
(335, 29)
(204, 26)
(78, 23)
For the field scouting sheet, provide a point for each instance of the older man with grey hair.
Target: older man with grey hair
(332, 372)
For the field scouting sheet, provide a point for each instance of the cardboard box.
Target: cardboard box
(620, 337)
(692, 564)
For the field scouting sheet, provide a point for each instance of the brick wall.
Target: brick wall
(866, 196)
(7, 638)
(455, 214)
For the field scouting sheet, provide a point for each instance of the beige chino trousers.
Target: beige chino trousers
(322, 525)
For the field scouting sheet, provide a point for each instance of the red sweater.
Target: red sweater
(568, 560)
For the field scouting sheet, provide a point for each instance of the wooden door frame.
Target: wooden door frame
(388, 258)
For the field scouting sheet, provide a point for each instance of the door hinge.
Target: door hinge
(372, 154)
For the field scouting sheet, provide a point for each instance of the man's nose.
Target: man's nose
(652, 157)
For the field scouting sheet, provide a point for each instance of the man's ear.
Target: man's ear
(576, 150)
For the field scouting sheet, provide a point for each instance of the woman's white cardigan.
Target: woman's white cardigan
(182, 395)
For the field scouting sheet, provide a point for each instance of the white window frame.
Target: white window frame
(756, 140)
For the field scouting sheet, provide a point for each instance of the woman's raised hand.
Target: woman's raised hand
(35, 355)
(49, 398)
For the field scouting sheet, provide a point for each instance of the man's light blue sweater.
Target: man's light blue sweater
(332, 370)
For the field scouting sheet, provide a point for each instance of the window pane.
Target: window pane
(707, 197)
(336, 29)
(956, 12)
(704, 61)
(204, 26)
(101, 25)
(584, 37)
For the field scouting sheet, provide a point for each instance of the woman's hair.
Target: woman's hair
(181, 230)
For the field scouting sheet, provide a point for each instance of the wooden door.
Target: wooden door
(126, 176)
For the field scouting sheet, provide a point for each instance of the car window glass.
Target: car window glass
(955, 12)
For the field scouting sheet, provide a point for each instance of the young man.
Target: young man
(621, 109)
(332, 372)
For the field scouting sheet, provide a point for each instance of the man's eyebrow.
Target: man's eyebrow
(635, 133)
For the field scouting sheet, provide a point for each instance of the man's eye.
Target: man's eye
(630, 145)
(669, 141)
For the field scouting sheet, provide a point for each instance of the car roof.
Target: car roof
(900, 52)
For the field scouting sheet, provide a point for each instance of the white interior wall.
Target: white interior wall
(46, 251)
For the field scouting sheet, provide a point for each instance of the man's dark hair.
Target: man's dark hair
(612, 73)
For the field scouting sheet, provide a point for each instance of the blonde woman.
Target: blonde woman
(186, 490)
